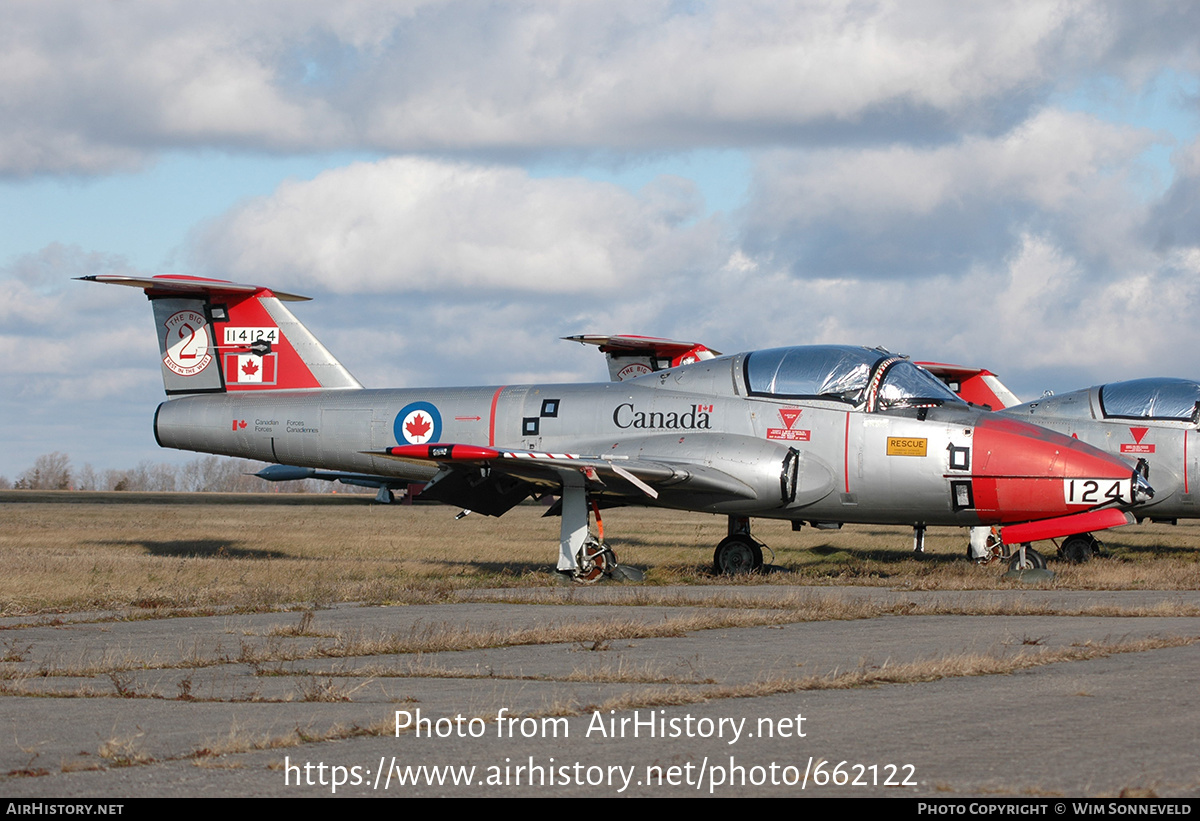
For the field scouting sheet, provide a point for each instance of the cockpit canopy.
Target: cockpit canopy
(845, 373)
(1156, 398)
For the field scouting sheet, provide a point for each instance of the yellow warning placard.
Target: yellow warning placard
(903, 446)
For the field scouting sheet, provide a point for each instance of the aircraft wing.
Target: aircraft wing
(618, 475)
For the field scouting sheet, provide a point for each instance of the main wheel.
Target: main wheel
(1033, 560)
(736, 555)
(1079, 548)
(594, 560)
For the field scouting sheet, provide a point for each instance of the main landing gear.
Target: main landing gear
(985, 547)
(582, 556)
(1026, 558)
(1080, 548)
(738, 552)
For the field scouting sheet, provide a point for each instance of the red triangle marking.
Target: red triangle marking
(1138, 433)
(790, 415)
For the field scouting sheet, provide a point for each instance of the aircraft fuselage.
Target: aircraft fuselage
(817, 460)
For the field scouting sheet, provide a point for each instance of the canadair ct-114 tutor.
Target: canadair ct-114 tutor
(821, 434)
(1154, 421)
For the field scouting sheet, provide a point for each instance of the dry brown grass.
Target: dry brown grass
(238, 740)
(191, 558)
(267, 654)
(125, 751)
(623, 672)
(951, 666)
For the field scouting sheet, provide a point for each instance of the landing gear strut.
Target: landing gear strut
(582, 556)
(738, 552)
(985, 547)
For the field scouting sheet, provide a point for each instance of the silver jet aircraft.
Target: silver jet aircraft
(1153, 421)
(823, 434)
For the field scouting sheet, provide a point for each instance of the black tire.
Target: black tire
(1078, 549)
(736, 555)
(1033, 560)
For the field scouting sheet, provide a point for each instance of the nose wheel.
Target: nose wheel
(1026, 558)
(738, 552)
(736, 555)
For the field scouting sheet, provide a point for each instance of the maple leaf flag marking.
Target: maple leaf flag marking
(417, 427)
(248, 369)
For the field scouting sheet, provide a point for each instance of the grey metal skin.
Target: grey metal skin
(246, 379)
(727, 466)
(1136, 422)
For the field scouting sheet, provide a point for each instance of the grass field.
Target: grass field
(74, 551)
(92, 584)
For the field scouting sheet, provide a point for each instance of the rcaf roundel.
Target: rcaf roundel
(417, 424)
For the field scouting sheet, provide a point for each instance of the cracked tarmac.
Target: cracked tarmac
(238, 704)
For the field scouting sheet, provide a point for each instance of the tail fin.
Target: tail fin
(978, 386)
(216, 336)
(630, 356)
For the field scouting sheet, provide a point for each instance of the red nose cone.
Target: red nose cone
(1025, 472)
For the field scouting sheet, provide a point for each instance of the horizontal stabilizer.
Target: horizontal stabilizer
(183, 284)
(629, 356)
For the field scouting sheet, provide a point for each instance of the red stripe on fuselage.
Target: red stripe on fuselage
(846, 453)
(492, 417)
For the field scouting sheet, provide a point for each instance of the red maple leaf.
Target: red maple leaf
(249, 368)
(418, 427)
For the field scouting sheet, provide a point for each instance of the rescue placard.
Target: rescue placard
(904, 446)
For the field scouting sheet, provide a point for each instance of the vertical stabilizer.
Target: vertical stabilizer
(216, 336)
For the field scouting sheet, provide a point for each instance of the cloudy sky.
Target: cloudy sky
(1013, 185)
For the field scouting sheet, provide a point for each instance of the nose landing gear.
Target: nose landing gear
(738, 552)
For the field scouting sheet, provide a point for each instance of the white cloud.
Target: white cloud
(410, 225)
(904, 211)
(86, 87)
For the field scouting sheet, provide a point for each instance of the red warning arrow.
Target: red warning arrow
(790, 415)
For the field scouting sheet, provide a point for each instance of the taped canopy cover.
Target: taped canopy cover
(1158, 398)
(842, 372)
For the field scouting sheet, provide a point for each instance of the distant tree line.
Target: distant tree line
(211, 474)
